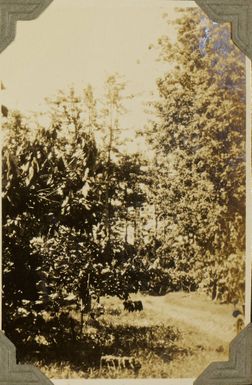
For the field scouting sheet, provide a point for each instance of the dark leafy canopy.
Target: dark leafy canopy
(66, 206)
(198, 137)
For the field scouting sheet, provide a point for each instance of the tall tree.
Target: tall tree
(198, 135)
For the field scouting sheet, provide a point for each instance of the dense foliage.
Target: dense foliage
(198, 136)
(67, 204)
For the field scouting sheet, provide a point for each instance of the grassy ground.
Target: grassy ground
(176, 335)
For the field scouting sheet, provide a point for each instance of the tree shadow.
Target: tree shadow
(84, 352)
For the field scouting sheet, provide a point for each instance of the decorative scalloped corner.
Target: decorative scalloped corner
(239, 13)
(236, 371)
(13, 10)
(13, 374)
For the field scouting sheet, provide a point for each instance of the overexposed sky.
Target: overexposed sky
(75, 42)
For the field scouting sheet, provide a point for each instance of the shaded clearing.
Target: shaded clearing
(166, 341)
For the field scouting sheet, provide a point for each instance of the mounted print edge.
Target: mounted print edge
(11, 11)
(239, 13)
(238, 370)
(11, 373)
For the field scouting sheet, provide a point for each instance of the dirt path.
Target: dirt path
(203, 329)
(195, 312)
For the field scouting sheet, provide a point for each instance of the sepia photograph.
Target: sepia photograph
(123, 190)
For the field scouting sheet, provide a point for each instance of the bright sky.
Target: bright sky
(75, 42)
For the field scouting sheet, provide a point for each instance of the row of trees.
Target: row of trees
(84, 218)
